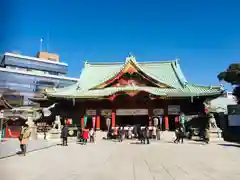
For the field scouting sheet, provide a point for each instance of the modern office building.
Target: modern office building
(24, 77)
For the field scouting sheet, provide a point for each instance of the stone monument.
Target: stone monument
(55, 132)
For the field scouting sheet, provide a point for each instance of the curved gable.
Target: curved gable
(130, 67)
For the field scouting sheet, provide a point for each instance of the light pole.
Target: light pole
(1, 124)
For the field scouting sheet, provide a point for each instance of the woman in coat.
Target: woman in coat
(24, 137)
(85, 136)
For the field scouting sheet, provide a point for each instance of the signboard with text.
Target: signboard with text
(174, 110)
(106, 112)
(91, 112)
(157, 112)
(131, 112)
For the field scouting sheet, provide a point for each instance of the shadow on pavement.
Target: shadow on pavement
(138, 143)
(33, 150)
(230, 145)
(197, 142)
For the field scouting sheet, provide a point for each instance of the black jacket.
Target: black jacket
(64, 132)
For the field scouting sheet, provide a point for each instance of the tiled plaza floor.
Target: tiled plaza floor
(9, 147)
(107, 160)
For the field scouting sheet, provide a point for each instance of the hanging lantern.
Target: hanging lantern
(93, 121)
(108, 122)
(85, 120)
(155, 121)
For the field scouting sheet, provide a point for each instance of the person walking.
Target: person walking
(23, 138)
(64, 135)
(177, 134)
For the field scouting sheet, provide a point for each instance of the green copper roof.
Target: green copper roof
(168, 73)
(190, 90)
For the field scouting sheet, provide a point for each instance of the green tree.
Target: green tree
(232, 76)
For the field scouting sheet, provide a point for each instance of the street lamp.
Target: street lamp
(1, 124)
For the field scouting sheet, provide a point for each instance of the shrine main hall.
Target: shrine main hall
(129, 93)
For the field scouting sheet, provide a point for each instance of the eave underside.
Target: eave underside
(152, 91)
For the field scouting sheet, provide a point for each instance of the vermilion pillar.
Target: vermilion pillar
(166, 122)
(98, 123)
(82, 122)
(113, 119)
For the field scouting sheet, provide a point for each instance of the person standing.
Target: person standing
(146, 135)
(120, 134)
(160, 123)
(85, 136)
(154, 132)
(92, 134)
(24, 137)
(182, 120)
(181, 133)
(141, 135)
(206, 135)
(64, 135)
(45, 132)
(129, 132)
(158, 131)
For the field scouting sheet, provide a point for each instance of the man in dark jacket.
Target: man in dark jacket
(146, 135)
(64, 135)
(120, 134)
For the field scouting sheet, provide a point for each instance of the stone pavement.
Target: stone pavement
(9, 147)
(108, 160)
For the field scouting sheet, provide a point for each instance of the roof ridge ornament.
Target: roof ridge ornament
(131, 57)
(177, 59)
(85, 63)
(222, 87)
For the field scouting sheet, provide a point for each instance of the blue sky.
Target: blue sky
(205, 35)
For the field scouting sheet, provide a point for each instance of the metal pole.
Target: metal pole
(1, 124)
